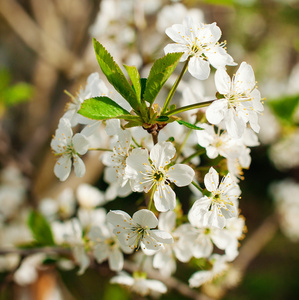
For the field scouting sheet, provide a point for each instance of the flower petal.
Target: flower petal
(222, 81)
(199, 68)
(162, 153)
(211, 180)
(181, 174)
(79, 166)
(62, 167)
(164, 198)
(216, 112)
(145, 217)
(116, 260)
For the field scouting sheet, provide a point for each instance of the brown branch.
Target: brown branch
(35, 38)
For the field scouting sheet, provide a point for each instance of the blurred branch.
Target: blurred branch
(35, 38)
(248, 252)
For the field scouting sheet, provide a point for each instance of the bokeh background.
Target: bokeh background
(46, 48)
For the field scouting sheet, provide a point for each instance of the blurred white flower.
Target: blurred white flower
(106, 246)
(219, 266)
(68, 148)
(27, 273)
(139, 284)
(89, 196)
(286, 196)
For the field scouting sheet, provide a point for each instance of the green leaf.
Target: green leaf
(160, 72)
(284, 107)
(189, 125)
(41, 229)
(162, 119)
(103, 108)
(135, 78)
(143, 85)
(114, 74)
(133, 123)
(17, 93)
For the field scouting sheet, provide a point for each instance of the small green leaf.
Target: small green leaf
(172, 107)
(219, 96)
(143, 85)
(160, 72)
(135, 78)
(114, 74)
(189, 125)
(16, 94)
(162, 119)
(103, 108)
(284, 107)
(41, 229)
(133, 123)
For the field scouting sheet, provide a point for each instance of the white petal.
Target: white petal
(235, 126)
(167, 221)
(162, 236)
(211, 180)
(62, 167)
(216, 112)
(198, 278)
(199, 68)
(80, 143)
(245, 79)
(222, 81)
(79, 166)
(145, 217)
(181, 174)
(123, 278)
(214, 219)
(136, 162)
(202, 246)
(101, 252)
(118, 217)
(116, 260)
(162, 153)
(164, 198)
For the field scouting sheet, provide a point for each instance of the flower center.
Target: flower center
(158, 176)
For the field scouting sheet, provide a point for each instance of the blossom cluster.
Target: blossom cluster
(158, 168)
(185, 167)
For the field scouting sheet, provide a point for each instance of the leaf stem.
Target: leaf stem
(182, 145)
(189, 107)
(151, 197)
(197, 186)
(173, 89)
(197, 153)
(100, 149)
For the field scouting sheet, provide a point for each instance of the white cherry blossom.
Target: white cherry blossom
(241, 103)
(221, 205)
(219, 267)
(199, 42)
(139, 284)
(139, 231)
(68, 148)
(220, 143)
(148, 171)
(106, 246)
